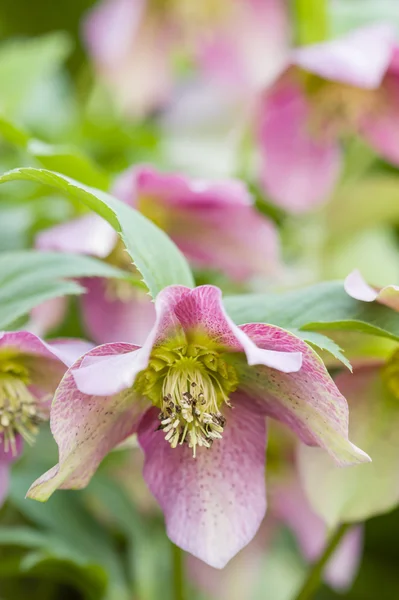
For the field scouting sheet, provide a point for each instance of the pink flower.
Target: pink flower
(213, 222)
(345, 86)
(30, 371)
(197, 394)
(134, 44)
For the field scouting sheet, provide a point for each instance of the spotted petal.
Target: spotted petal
(213, 504)
(86, 428)
(359, 289)
(308, 402)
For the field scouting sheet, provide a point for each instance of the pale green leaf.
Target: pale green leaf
(29, 277)
(321, 307)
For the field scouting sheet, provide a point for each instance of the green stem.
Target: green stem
(178, 574)
(313, 579)
(311, 19)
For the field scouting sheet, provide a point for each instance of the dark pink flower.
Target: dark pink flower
(329, 90)
(197, 394)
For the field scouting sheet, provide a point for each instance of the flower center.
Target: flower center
(338, 107)
(390, 374)
(189, 384)
(18, 410)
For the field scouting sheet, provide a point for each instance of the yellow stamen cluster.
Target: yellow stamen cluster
(18, 411)
(338, 107)
(189, 384)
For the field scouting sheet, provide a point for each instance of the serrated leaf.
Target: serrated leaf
(154, 254)
(322, 342)
(29, 277)
(321, 307)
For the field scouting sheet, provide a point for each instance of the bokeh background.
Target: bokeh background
(109, 541)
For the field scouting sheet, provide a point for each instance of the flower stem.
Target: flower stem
(311, 18)
(178, 574)
(313, 579)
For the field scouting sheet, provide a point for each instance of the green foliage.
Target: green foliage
(28, 278)
(321, 307)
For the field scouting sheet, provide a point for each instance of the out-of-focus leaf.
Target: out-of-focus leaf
(366, 203)
(350, 14)
(321, 307)
(63, 159)
(29, 277)
(143, 541)
(66, 517)
(24, 62)
(341, 495)
(154, 254)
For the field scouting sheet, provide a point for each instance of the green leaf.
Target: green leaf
(154, 254)
(23, 63)
(357, 201)
(29, 277)
(322, 342)
(321, 307)
(63, 159)
(311, 20)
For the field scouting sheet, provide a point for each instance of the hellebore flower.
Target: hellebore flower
(134, 45)
(329, 90)
(197, 394)
(30, 371)
(213, 222)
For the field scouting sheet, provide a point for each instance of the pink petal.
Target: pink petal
(87, 235)
(115, 368)
(213, 504)
(298, 170)
(213, 222)
(47, 316)
(68, 350)
(359, 289)
(229, 52)
(308, 401)
(202, 309)
(131, 49)
(27, 343)
(380, 127)
(177, 191)
(360, 59)
(85, 428)
(291, 506)
(113, 320)
(4, 481)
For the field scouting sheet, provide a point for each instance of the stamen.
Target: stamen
(18, 411)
